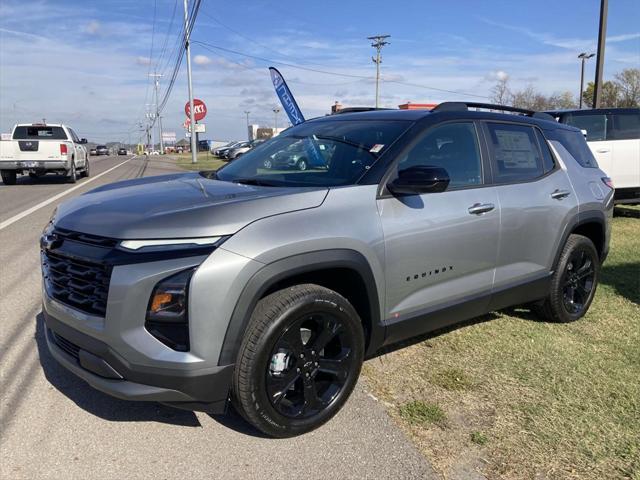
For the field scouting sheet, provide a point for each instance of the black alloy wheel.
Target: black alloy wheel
(578, 281)
(309, 366)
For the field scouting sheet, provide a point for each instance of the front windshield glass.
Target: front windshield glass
(325, 153)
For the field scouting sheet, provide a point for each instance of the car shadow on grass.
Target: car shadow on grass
(624, 278)
(100, 404)
(626, 211)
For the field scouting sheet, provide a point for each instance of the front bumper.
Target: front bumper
(102, 368)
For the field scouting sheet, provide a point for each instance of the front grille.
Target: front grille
(65, 345)
(77, 283)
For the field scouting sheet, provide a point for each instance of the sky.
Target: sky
(87, 63)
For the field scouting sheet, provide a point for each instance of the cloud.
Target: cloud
(143, 60)
(201, 60)
(92, 28)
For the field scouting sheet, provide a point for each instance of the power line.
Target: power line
(327, 72)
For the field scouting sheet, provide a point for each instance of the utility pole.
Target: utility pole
(378, 41)
(276, 110)
(156, 76)
(584, 57)
(602, 35)
(150, 119)
(246, 112)
(187, 35)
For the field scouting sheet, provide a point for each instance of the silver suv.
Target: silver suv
(269, 287)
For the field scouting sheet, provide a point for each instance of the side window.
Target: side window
(452, 146)
(623, 126)
(516, 156)
(548, 162)
(595, 125)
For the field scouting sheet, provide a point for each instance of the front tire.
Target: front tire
(574, 282)
(299, 360)
(9, 177)
(302, 164)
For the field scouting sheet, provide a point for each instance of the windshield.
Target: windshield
(324, 153)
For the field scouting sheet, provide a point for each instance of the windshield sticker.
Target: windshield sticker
(377, 147)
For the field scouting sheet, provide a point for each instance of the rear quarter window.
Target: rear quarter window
(577, 146)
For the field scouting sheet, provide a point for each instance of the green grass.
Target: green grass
(420, 413)
(557, 400)
(206, 161)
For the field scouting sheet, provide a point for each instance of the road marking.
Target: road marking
(29, 211)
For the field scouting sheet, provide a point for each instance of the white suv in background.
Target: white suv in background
(613, 134)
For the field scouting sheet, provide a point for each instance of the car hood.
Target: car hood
(179, 206)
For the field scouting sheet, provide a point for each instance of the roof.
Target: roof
(591, 111)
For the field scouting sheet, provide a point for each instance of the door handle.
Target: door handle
(560, 194)
(603, 150)
(480, 208)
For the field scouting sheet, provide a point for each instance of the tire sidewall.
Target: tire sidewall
(271, 420)
(73, 173)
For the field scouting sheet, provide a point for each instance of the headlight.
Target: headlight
(167, 313)
(169, 244)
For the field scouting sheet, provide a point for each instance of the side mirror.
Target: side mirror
(419, 179)
(83, 140)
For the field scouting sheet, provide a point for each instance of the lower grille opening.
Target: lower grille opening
(65, 345)
(173, 335)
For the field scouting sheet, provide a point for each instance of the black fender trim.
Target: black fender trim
(282, 269)
(589, 216)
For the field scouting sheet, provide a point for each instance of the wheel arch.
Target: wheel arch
(345, 271)
(591, 224)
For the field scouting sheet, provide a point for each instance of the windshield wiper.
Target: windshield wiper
(253, 181)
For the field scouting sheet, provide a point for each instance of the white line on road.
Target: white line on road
(23, 214)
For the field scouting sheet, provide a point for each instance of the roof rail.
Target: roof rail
(464, 106)
(359, 109)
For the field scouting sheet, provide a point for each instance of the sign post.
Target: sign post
(199, 112)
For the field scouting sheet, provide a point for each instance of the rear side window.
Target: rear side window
(576, 145)
(595, 125)
(624, 126)
(516, 156)
(39, 133)
(547, 158)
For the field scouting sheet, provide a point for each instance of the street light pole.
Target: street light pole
(378, 43)
(583, 57)
(276, 110)
(156, 76)
(192, 113)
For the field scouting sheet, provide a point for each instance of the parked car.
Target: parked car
(241, 149)
(37, 149)
(93, 152)
(102, 150)
(300, 156)
(613, 134)
(269, 288)
(220, 151)
(122, 151)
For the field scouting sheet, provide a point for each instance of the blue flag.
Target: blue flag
(295, 115)
(286, 98)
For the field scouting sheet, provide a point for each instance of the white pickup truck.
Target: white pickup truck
(38, 149)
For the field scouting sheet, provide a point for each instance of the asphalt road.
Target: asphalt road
(53, 425)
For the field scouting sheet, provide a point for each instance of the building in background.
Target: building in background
(417, 106)
(263, 133)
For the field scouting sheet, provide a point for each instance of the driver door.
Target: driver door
(440, 248)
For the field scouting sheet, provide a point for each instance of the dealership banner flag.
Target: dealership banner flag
(286, 98)
(295, 115)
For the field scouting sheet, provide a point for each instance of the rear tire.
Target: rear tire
(87, 168)
(72, 176)
(9, 177)
(574, 282)
(299, 360)
(302, 164)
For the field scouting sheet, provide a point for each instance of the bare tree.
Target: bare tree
(500, 93)
(628, 82)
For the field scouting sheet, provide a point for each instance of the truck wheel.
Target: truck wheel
(72, 176)
(87, 168)
(299, 360)
(573, 284)
(9, 177)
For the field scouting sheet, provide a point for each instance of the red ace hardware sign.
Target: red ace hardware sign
(200, 109)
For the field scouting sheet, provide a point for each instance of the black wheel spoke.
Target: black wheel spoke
(279, 386)
(293, 338)
(338, 367)
(311, 400)
(328, 333)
